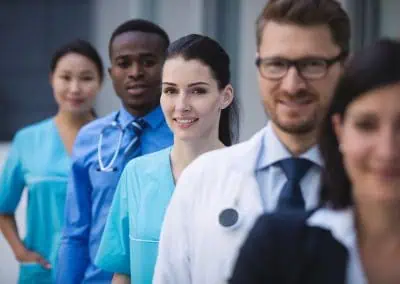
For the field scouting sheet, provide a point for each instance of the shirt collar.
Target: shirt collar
(339, 222)
(153, 118)
(273, 151)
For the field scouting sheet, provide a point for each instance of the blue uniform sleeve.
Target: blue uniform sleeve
(73, 256)
(114, 251)
(12, 180)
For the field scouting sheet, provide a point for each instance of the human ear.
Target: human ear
(227, 96)
(337, 124)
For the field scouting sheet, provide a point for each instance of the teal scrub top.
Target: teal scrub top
(39, 163)
(130, 240)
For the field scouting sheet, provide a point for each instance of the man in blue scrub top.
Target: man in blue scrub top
(102, 148)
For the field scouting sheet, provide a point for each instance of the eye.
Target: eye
(312, 66)
(169, 91)
(148, 62)
(274, 66)
(65, 77)
(87, 78)
(123, 63)
(366, 125)
(199, 91)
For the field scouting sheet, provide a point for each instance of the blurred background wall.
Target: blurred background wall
(32, 30)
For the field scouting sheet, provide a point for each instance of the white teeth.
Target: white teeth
(185, 120)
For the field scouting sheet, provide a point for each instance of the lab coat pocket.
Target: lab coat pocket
(34, 273)
(143, 259)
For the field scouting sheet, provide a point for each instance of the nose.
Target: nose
(388, 144)
(136, 71)
(74, 86)
(292, 82)
(182, 103)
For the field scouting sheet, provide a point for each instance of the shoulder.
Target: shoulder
(224, 156)
(33, 134)
(35, 128)
(150, 161)
(97, 125)
(213, 162)
(89, 134)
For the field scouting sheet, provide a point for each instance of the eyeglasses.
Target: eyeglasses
(311, 68)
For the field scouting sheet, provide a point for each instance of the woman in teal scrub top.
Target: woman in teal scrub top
(39, 160)
(199, 106)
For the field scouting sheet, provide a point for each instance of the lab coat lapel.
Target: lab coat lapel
(245, 179)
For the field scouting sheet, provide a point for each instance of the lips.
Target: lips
(76, 102)
(135, 89)
(185, 122)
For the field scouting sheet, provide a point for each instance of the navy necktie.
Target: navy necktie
(291, 196)
(136, 127)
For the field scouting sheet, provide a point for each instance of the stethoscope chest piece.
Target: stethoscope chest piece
(229, 218)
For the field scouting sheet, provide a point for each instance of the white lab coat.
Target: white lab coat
(194, 247)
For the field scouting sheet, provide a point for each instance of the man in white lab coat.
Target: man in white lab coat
(301, 47)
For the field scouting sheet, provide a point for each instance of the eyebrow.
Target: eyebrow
(143, 54)
(190, 85)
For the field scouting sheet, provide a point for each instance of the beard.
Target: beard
(296, 126)
(299, 128)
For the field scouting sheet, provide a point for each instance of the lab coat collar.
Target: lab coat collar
(273, 150)
(248, 151)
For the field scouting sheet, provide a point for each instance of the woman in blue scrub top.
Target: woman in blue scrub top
(39, 160)
(199, 106)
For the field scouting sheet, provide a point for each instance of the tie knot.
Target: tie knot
(138, 125)
(295, 168)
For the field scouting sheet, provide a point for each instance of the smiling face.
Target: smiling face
(296, 105)
(369, 136)
(136, 61)
(191, 100)
(75, 82)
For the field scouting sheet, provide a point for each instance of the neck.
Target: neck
(141, 110)
(378, 221)
(297, 144)
(73, 120)
(184, 152)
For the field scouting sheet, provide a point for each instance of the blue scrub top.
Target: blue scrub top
(39, 162)
(130, 240)
(90, 191)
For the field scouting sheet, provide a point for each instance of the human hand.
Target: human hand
(29, 256)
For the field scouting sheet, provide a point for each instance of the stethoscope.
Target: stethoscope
(113, 125)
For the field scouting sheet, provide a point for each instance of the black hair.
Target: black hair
(81, 47)
(210, 52)
(371, 68)
(138, 25)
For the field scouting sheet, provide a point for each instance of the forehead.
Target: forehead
(384, 101)
(137, 43)
(75, 62)
(293, 41)
(177, 70)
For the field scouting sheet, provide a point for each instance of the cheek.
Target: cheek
(326, 88)
(267, 90)
(356, 150)
(154, 73)
(166, 106)
(91, 89)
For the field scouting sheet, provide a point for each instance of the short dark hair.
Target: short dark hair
(211, 53)
(308, 13)
(371, 68)
(81, 47)
(138, 25)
